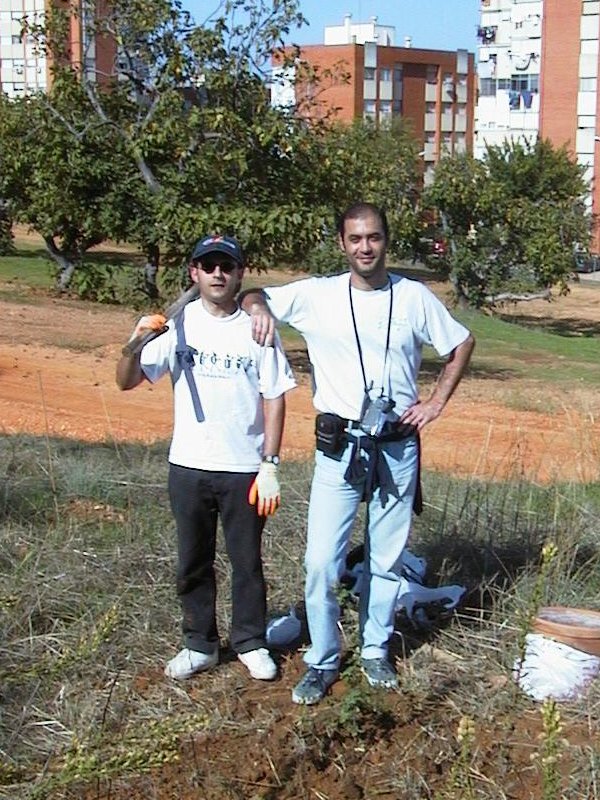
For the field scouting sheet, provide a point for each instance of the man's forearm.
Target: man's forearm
(452, 372)
(274, 414)
(254, 303)
(129, 372)
(422, 413)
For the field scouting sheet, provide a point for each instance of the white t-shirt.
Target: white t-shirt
(319, 308)
(218, 416)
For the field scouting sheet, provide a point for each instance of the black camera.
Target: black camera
(375, 414)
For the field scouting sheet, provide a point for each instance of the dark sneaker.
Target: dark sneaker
(379, 673)
(313, 686)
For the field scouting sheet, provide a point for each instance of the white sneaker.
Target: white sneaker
(259, 663)
(187, 662)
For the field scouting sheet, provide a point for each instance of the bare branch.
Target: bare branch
(509, 297)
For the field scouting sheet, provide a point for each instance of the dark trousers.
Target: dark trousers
(198, 498)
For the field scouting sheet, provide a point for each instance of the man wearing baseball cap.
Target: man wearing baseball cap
(229, 408)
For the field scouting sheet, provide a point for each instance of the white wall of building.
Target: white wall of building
(22, 67)
(359, 33)
(509, 57)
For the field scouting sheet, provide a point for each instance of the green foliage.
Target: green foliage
(378, 165)
(178, 138)
(326, 258)
(512, 220)
(94, 282)
(60, 185)
(187, 109)
(6, 235)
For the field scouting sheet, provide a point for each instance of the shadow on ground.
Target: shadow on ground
(561, 327)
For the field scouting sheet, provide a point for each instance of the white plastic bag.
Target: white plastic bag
(553, 669)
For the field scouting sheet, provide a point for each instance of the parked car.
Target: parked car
(587, 262)
(439, 248)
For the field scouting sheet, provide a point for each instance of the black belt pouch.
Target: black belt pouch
(331, 435)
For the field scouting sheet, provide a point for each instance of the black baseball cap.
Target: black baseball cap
(218, 244)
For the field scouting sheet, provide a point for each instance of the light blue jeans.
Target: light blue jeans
(332, 510)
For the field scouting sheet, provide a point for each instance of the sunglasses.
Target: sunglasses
(227, 267)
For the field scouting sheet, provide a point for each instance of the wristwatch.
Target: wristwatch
(271, 460)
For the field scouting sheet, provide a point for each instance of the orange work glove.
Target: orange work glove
(150, 322)
(265, 492)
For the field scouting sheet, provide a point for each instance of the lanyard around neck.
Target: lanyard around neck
(387, 340)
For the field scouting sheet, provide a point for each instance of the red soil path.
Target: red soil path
(57, 360)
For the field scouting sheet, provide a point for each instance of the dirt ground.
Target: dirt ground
(57, 361)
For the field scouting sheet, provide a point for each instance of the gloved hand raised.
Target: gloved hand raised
(147, 323)
(265, 492)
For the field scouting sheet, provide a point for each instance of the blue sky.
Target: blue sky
(435, 24)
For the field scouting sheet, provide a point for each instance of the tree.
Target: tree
(188, 107)
(375, 164)
(60, 185)
(184, 119)
(512, 221)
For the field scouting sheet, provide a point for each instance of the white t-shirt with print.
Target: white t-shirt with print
(218, 416)
(319, 308)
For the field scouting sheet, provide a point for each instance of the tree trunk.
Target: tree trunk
(151, 272)
(66, 266)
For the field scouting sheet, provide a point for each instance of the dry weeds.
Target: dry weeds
(89, 616)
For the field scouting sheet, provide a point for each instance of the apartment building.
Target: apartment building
(24, 69)
(538, 75)
(569, 86)
(509, 66)
(433, 90)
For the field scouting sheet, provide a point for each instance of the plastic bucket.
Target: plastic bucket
(576, 627)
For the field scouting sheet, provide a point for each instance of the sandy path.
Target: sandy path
(57, 364)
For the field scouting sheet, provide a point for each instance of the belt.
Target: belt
(392, 431)
(351, 424)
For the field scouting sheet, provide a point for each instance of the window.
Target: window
(369, 109)
(525, 83)
(431, 73)
(397, 107)
(487, 87)
(460, 143)
(591, 7)
(487, 35)
(385, 74)
(369, 73)
(385, 109)
(16, 39)
(586, 122)
(398, 73)
(588, 84)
